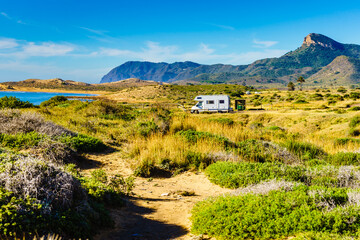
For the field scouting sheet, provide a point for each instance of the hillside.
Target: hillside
(342, 71)
(316, 52)
(58, 84)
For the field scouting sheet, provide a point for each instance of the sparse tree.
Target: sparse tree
(291, 86)
(300, 80)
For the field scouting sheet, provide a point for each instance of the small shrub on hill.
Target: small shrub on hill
(54, 101)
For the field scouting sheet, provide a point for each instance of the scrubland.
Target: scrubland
(293, 167)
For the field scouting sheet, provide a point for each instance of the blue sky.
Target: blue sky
(83, 40)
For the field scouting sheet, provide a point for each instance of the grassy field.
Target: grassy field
(302, 148)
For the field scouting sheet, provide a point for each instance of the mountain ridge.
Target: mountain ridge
(316, 52)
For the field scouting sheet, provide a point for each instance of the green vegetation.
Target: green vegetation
(277, 214)
(13, 102)
(232, 175)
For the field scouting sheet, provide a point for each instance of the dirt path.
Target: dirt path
(157, 210)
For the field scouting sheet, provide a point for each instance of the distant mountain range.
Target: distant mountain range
(320, 60)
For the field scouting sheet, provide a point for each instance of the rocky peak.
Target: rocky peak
(321, 40)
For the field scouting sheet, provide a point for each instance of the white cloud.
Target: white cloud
(7, 43)
(226, 27)
(22, 49)
(203, 54)
(98, 32)
(46, 49)
(264, 44)
(4, 14)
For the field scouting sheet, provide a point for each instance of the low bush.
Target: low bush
(354, 132)
(234, 175)
(354, 121)
(54, 200)
(278, 214)
(344, 158)
(110, 110)
(108, 190)
(20, 140)
(147, 128)
(13, 102)
(223, 121)
(54, 101)
(344, 141)
(356, 108)
(84, 143)
(194, 136)
(14, 121)
(252, 150)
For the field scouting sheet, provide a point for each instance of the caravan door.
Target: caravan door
(222, 104)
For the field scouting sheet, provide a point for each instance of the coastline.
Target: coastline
(51, 90)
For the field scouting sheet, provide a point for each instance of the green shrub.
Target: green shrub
(54, 101)
(305, 151)
(20, 140)
(275, 128)
(354, 132)
(147, 128)
(344, 158)
(278, 214)
(354, 121)
(255, 151)
(110, 110)
(84, 143)
(234, 175)
(13, 102)
(320, 236)
(301, 101)
(223, 121)
(356, 108)
(344, 141)
(193, 136)
(19, 215)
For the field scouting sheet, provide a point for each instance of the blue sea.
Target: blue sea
(38, 97)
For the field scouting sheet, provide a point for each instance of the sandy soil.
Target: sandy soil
(157, 210)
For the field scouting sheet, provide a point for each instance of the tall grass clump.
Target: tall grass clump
(303, 150)
(193, 136)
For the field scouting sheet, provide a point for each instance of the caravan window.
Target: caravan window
(210, 102)
(198, 98)
(221, 101)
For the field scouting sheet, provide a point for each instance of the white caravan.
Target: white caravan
(212, 103)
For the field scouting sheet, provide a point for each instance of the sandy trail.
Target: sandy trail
(157, 210)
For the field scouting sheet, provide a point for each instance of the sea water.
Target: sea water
(38, 97)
